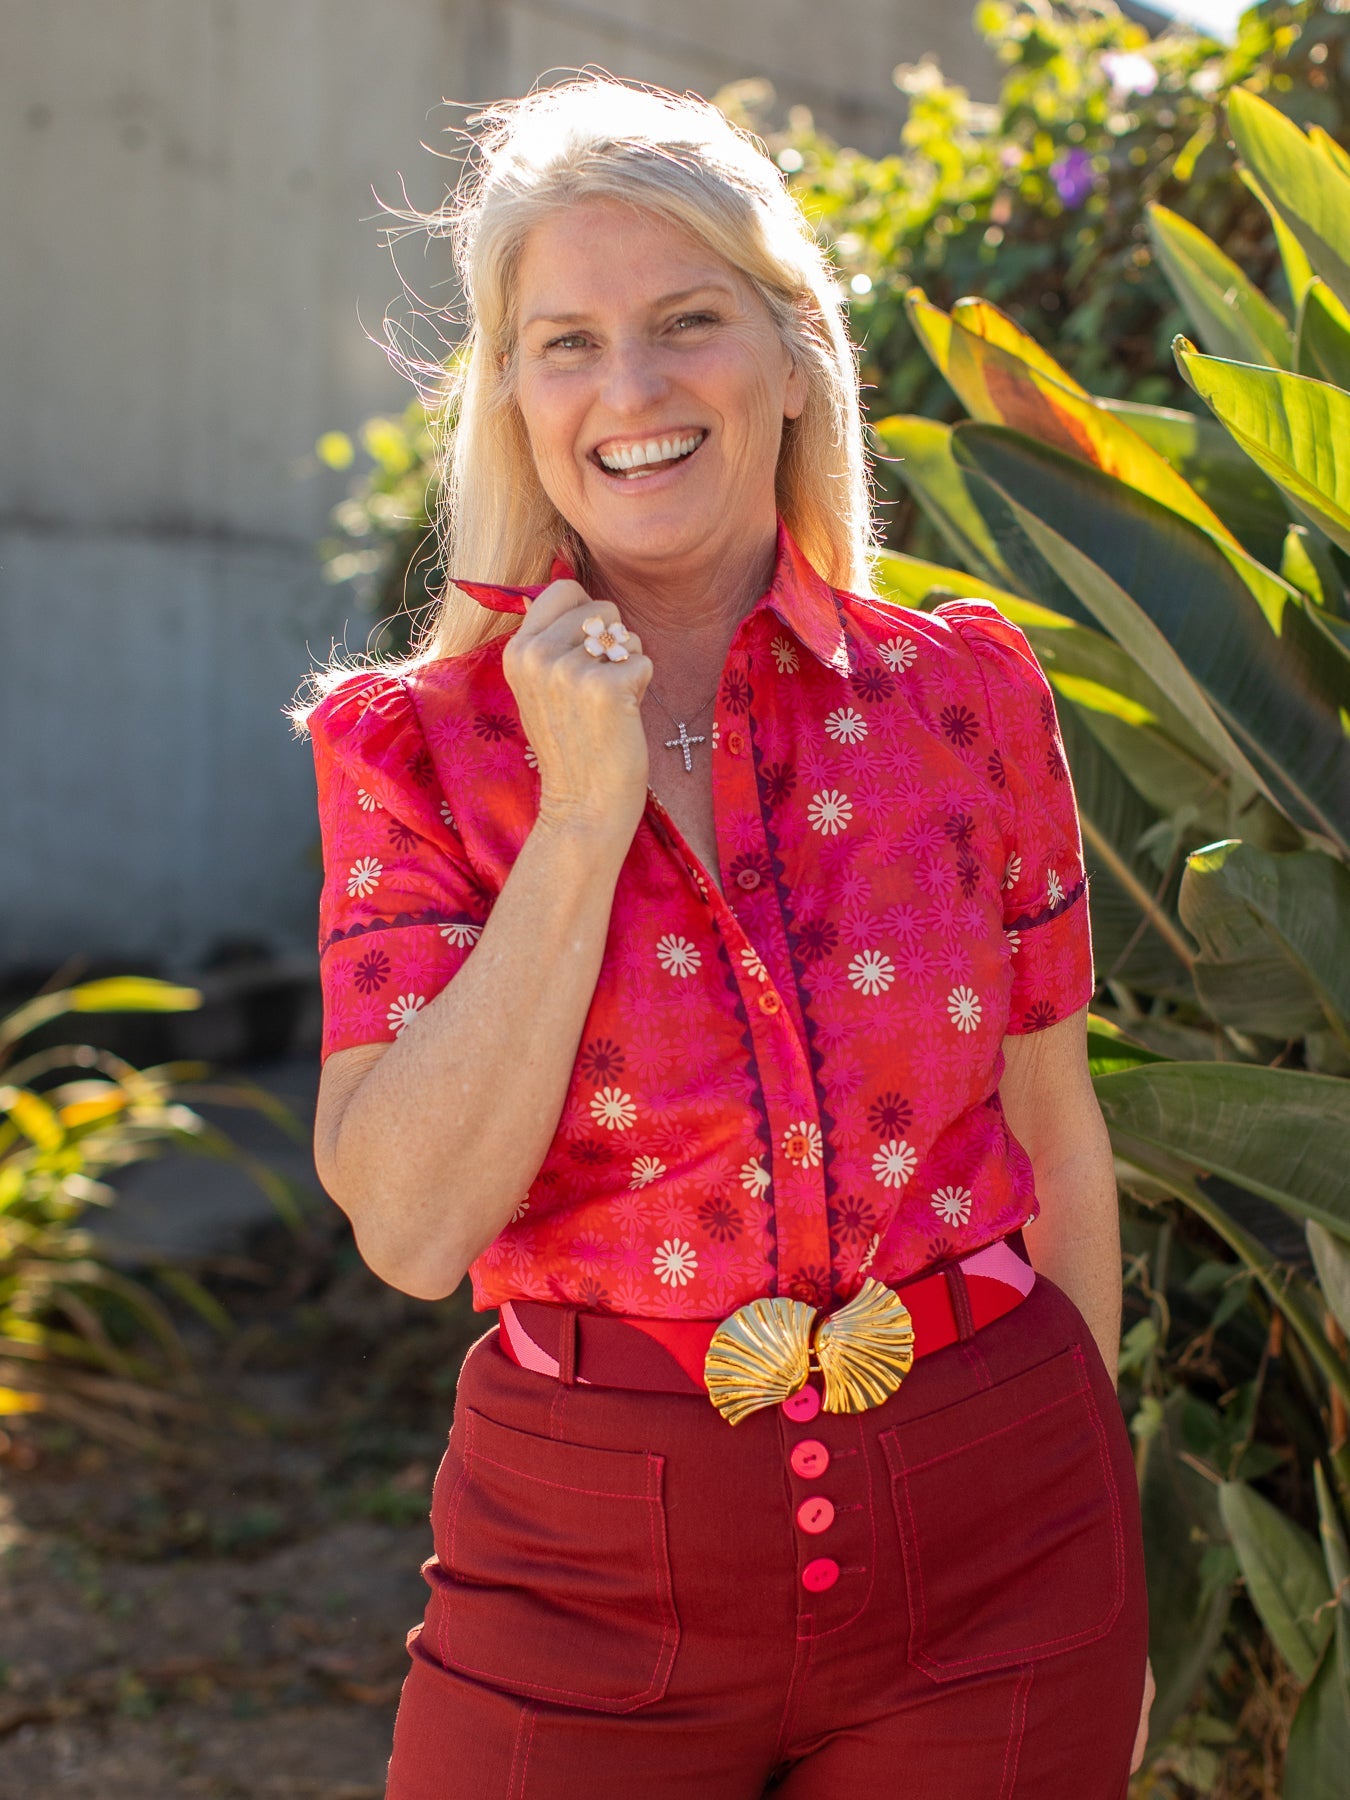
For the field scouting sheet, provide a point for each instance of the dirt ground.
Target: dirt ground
(224, 1617)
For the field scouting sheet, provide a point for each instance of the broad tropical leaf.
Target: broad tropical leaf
(1285, 1573)
(1280, 1133)
(1273, 934)
(939, 486)
(1228, 312)
(1294, 428)
(1170, 596)
(1323, 337)
(1309, 187)
(1331, 1259)
(1219, 470)
(1319, 1738)
(1005, 378)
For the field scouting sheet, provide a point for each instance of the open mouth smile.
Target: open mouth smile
(649, 458)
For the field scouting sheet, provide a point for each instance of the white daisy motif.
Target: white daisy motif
(1054, 888)
(530, 757)
(520, 1211)
(1012, 874)
(674, 1262)
(1014, 941)
(829, 811)
(367, 802)
(447, 816)
(647, 1169)
(676, 955)
(845, 725)
(894, 1163)
(755, 1178)
(963, 1003)
(403, 1011)
(872, 972)
(364, 877)
(899, 653)
(873, 1245)
(803, 1144)
(785, 655)
(716, 733)
(953, 1204)
(613, 1109)
(460, 933)
(753, 964)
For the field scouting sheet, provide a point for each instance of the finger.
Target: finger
(551, 603)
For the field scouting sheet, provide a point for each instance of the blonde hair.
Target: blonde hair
(682, 159)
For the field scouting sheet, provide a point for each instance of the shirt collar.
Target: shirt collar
(798, 595)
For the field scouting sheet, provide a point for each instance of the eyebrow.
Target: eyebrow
(578, 318)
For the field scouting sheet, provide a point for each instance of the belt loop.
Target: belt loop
(567, 1346)
(959, 1295)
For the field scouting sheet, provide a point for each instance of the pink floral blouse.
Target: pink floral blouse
(780, 1091)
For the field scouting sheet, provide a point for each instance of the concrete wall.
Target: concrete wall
(190, 269)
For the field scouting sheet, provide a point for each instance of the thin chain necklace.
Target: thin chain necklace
(684, 740)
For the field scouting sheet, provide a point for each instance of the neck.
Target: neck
(687, 616)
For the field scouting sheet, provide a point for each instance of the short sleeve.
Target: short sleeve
(400, 909)
(1045, 909)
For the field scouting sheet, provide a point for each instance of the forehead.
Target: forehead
(595, 254)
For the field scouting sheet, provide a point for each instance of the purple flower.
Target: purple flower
(1072, 176)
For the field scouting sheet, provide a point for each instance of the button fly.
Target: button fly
(816, 1514)
(809, 1458)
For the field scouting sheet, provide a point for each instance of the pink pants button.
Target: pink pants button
(802, 1405)
(820, 1574)
(816, 1514)
(809, 1458)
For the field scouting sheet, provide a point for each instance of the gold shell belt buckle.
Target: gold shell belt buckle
(765, 1351)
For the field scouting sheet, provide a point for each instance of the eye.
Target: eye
(695, 319)
(567, 342)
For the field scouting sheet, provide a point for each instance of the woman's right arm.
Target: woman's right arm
(429, 1144)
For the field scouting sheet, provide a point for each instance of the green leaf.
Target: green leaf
(1109, 1048)
(910, 581)
(1285, 1574)
(1264, 700)
(1331, 1260)
(1323, 337)
(1306, 563)
(1294, 428)
(1319, 1739)
(1273, 932)
(1280, 1133)
(927, 469)
(1222, 473)
(1228, 312)
(1297, 269)
(117, 993)
(1307, 187)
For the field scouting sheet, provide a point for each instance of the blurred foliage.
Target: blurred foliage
(1185, 582)
(81, 1339)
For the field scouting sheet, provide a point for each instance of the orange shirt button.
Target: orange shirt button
(748, 879)
(735, 743)
(770, 1003)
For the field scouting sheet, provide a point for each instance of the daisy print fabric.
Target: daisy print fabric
(781, 1090)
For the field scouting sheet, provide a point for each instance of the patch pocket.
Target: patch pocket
(1010, 1523)
(552, 1573)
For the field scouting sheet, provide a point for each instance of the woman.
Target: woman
(706, 960)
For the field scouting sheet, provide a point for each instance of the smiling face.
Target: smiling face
(653, 387)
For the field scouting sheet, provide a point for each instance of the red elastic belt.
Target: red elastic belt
(667, 1355)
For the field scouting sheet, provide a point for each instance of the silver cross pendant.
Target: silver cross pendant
(682, 742)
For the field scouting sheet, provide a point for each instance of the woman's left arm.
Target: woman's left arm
(1053, 1113)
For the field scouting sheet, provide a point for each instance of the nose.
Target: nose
(633, 378)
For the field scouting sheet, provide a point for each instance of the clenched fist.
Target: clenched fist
(582, 713)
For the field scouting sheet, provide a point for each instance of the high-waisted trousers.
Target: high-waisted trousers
(631, 1597)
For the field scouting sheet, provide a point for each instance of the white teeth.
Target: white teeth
(656, 450)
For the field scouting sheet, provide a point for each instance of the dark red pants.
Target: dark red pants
(618, 1606)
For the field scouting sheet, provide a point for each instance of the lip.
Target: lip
(662, 477)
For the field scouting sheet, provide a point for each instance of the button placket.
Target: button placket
(831, 1519)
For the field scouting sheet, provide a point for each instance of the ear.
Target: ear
(794, 391)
